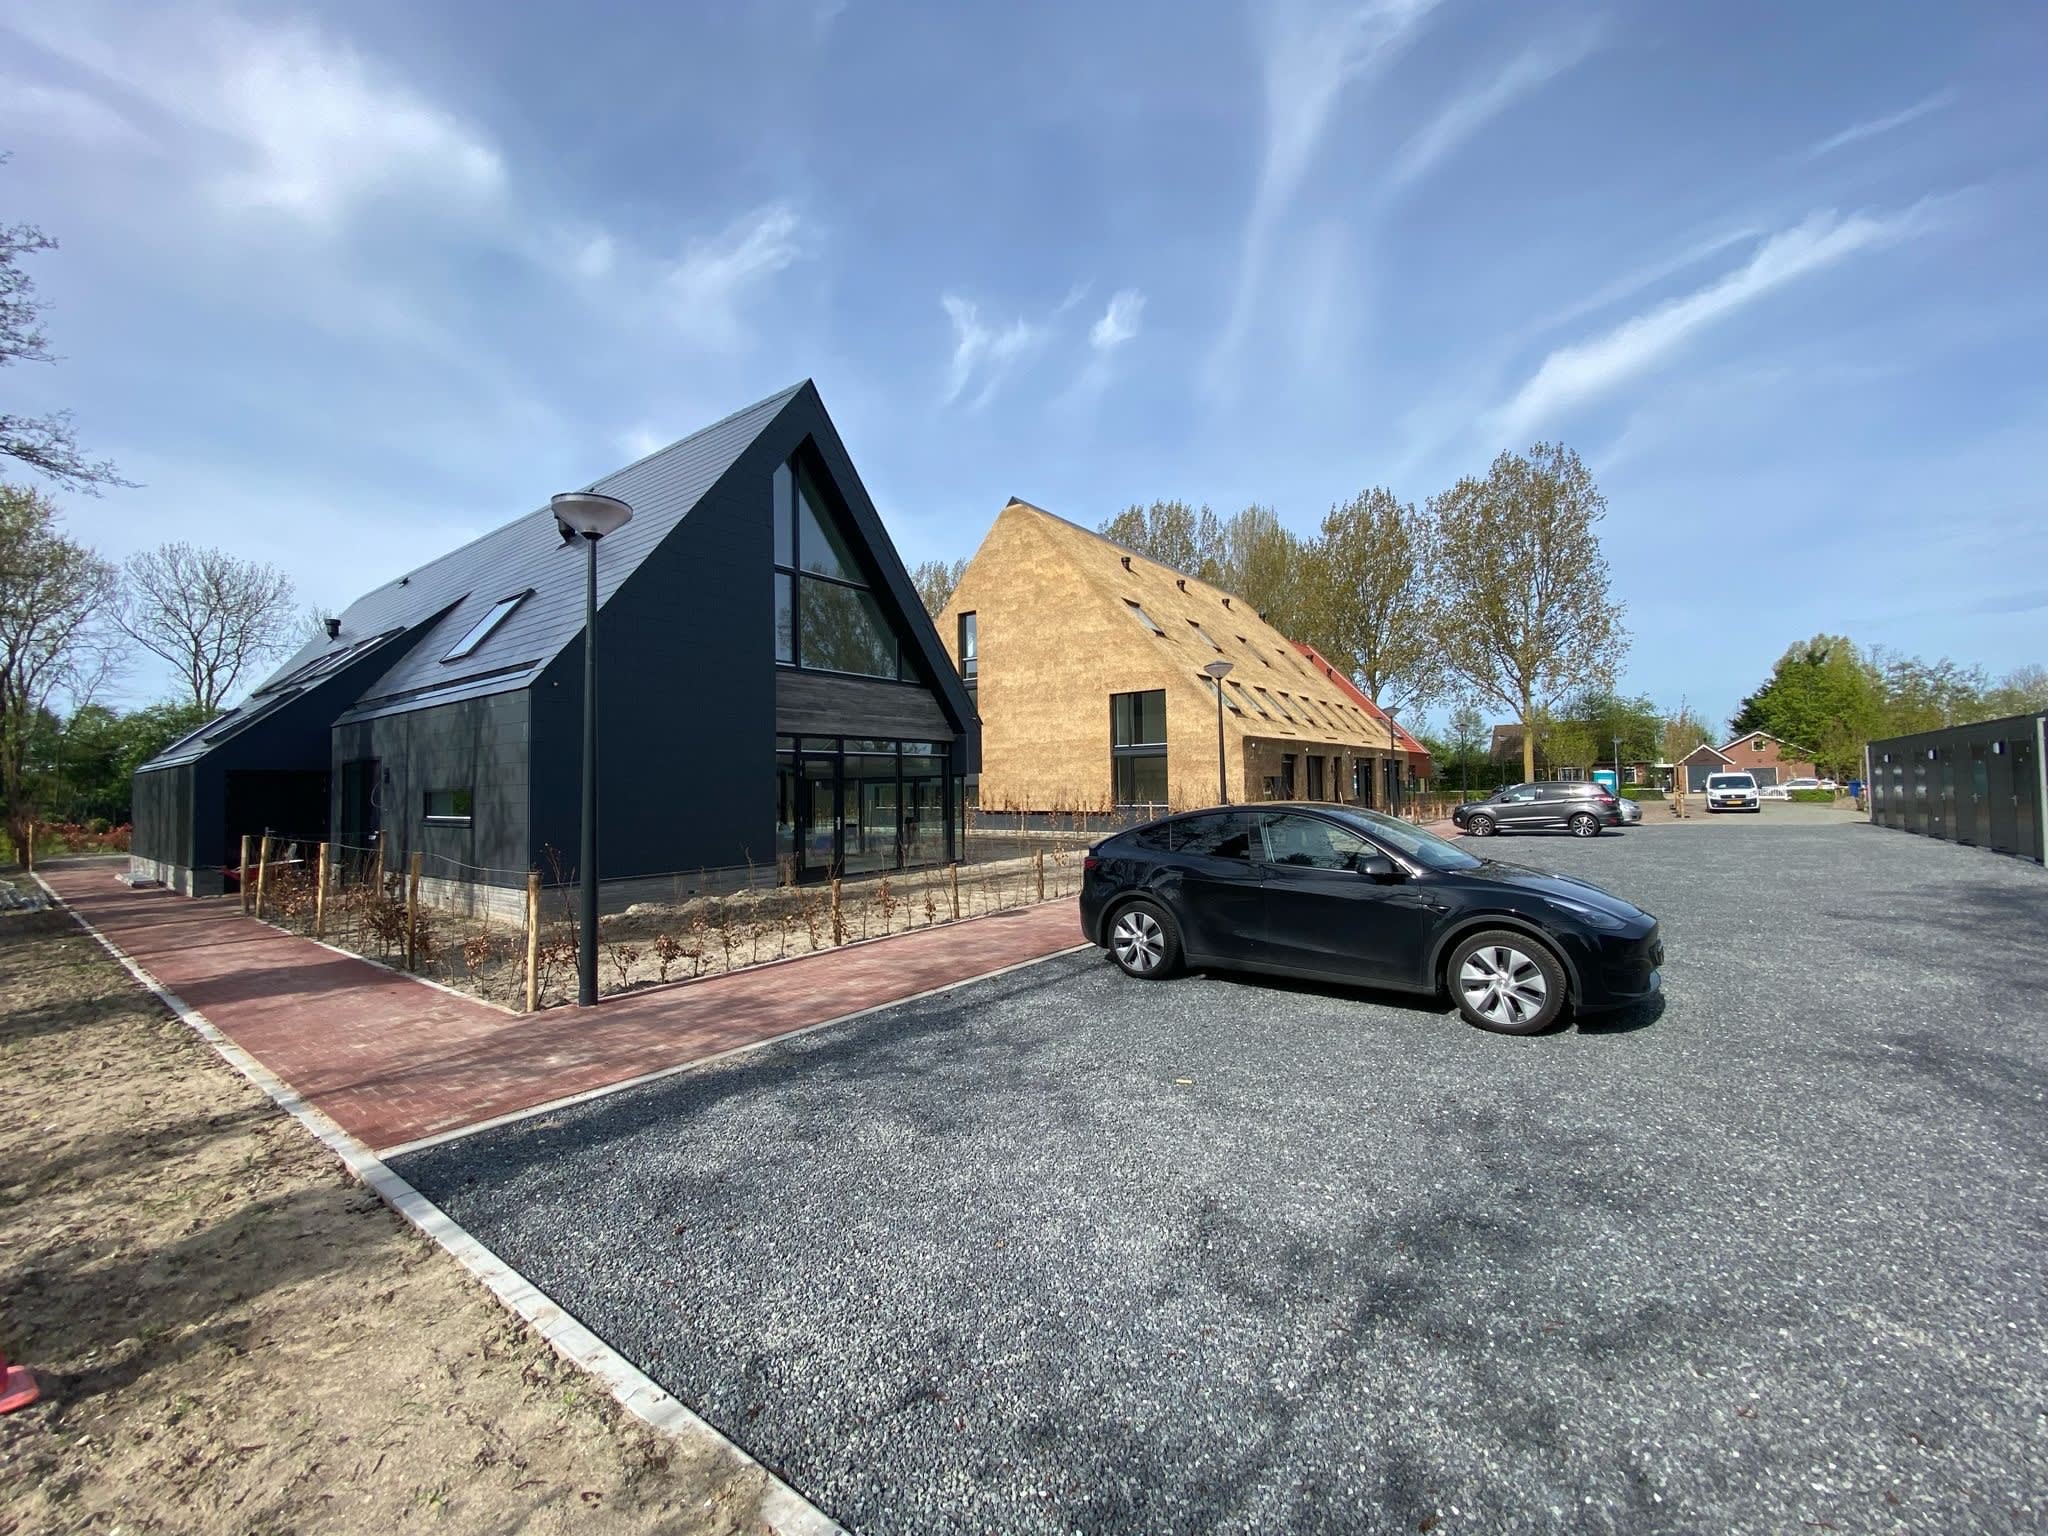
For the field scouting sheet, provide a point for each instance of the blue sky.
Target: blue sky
(344, 285)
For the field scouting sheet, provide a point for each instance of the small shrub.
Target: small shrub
(1814, 796)
(1641, 792)
(668, 949)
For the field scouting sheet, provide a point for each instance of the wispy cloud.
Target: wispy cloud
(59, 112)
(1855, 133)
(1479, 105)
(1581, 371)
(309, 127)
(983, 352)
(1119, 322)
(707, 286)
(1310, 52)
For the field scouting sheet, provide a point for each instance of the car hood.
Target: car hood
(1564, 887)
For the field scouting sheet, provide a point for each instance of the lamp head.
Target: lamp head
(1218, 670)
(590, 513)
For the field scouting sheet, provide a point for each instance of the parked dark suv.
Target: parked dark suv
(1580, 809)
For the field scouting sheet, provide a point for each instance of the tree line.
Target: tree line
(1833, 697)
(1493, 592)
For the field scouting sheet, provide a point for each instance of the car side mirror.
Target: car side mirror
(1375, 866)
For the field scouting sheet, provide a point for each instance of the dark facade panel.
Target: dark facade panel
(815, 704)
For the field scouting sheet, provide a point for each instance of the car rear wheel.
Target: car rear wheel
(1585, 824)
(1480, 825)
(1507, 982)
(1144, 941)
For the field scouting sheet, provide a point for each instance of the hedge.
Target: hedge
(1814, 796)
(1641, 792)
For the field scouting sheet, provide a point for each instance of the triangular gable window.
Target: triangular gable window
(827, 619)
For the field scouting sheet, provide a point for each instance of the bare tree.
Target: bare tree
(209, 614)
(54, 598)
(46, 444)
(1524, 613)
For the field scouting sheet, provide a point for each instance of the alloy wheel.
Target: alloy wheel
(1585, 826)
(1480, 826)
(1138, 940)
(1503, 984)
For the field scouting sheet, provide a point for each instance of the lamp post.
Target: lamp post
(1217, 671)
(588, 515)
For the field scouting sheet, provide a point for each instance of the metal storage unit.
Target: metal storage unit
(1984, 784)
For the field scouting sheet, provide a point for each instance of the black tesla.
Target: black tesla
(1339, 893)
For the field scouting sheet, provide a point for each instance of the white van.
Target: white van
(1733, 792)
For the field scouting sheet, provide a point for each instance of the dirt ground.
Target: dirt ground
(234, 1336)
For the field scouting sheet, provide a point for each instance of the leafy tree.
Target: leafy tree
(935, 581)
(1465, 744)
(1369, 580)
(1823, 695)
(53, 595)
(46, 444)
(1927, 695)
(98, 750)
(1682, 733)
(1524, 611)
(1262, 561)
(208, 614)
(2022, 691)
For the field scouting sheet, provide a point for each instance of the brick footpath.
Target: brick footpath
(392, 1060)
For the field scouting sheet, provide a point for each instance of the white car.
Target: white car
(1733, 792)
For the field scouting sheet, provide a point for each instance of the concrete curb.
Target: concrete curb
(785, 1511)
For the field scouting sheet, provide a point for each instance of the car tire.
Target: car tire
(1480, 826)
(1506, 982)
(1144, 941)
(1585, 824)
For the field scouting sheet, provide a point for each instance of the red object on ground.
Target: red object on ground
(18, 1388)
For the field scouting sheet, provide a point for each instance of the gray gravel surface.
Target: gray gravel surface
(1060, 1251)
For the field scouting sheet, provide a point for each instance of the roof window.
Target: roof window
(480, 631)
(1143, 617)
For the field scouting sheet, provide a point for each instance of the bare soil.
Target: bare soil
(232, 1335)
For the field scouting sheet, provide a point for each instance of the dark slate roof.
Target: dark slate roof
(526, 555)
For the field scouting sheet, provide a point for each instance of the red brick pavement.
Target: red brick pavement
(391, 1059)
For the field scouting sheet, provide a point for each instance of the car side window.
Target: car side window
(1307, 842)
(1519, 793)
(1224, 835)
(1155, 839)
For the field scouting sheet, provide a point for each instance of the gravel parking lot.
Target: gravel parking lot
(1060, 1251)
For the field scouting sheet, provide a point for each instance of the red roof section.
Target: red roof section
(1409, 745)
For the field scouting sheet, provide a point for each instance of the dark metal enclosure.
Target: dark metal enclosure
(1985, 784)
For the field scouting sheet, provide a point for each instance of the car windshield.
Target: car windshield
(1425, 848)
(1730, 781)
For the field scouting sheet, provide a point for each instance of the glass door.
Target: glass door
(818, 817)
(873, 822)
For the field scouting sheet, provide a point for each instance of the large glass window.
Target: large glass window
(826, 618)
(858, 806)
(480, 631)
(1137, 736)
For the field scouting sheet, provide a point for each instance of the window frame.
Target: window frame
(792, 483)
(1140, 616)
(482, 630)
(432, 818)
(968, 637)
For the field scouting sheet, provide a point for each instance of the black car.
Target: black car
(1342, 894)
(1582, 809)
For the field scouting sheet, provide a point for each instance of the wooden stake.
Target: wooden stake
(838, 923)
(533, 941)
(953, 874)
(243, 888)
(320, 891)
(28, 852)
(262, 874)
(412, 910)
(1038, 867)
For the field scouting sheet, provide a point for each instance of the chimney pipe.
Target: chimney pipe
(334, 629)
(1127, 562)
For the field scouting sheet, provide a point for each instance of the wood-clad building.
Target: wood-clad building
(773, 695)
(1086, 663)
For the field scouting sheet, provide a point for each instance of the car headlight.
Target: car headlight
(1598, 917)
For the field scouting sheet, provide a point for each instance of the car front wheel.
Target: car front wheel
(1585, 824)
(1506, 982)
(1480, 826)
(1144, 941)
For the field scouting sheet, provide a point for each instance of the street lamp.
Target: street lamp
(588, 515)
(1217, 671)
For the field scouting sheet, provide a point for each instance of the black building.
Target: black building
(774, 697)
(1984, 784)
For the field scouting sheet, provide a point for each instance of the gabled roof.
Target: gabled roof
(1407, 743)
(1706, 746)
(1727, 745)
(1196, 623)
(527, 556)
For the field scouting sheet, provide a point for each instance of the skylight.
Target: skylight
(1206, 636)
(1215, 687)
(1280, 703)
(481, 630)
(1250, 696)
(1143, 617)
